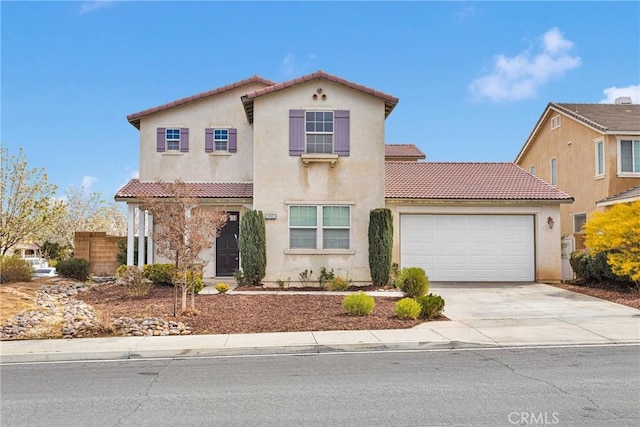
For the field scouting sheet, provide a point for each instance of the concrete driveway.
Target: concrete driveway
(536, 313)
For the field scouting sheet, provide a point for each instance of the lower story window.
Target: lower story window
(578, 222)
(328, 225)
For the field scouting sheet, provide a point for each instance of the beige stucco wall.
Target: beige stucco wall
(548, 262)
(224, 110)
(573, 145)
(281, 180)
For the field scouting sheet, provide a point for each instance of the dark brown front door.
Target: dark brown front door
(227, 254)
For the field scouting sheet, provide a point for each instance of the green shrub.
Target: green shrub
(253, 247)
(407, 308)
(359, 304)
(14, 269)
(337, 284)
(413, 281)
(195, 279)
(74, 268)
(120, 271)
(325, 276)
(380, 245)
(223, 288)
(592, 268)
(431, 306)
(159, 274)
(133, 280)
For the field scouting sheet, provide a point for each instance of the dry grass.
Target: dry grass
(50, 327)
(17, 297)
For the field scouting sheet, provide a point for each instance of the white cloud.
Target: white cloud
(290, 67)
(611, 93)
(90, 6)
(87, 182)
(520, 77)
(465, 13)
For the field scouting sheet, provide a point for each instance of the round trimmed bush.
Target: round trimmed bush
(74, 268)
(407, 308)
(431, 306)
(413, 281)
(222, 288)
(359, 304)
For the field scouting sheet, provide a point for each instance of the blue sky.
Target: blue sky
(472, 77)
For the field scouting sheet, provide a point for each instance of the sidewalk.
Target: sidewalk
(528, 315)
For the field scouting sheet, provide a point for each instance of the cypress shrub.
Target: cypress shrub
(253, 247)
(380, 245)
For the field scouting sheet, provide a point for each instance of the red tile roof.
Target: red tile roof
(630, 195)
(403, 150)
(134, 118)
(390, 101)
(204, 190)
(466, 181)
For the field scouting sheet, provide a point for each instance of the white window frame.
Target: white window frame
(314, 132)
(628, 174)
(556, 121)
(575, 230)
(600, 157)
(320, 228)
(532, 169)
(220, 140)
(168, 140)
(553, 171)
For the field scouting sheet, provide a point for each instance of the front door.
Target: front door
(227, 254)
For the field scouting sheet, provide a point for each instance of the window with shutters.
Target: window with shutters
(172, 139)
(320, 227)
(220, 139)
(319, 132)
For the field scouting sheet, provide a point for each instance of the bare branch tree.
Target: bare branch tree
(183, 230)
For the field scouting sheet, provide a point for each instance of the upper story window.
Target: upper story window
(554, 171)
(555, 122)
(221, 139)
(599, 158)
(629, 158)
(532, 169)
(173, 139)
(319, 131)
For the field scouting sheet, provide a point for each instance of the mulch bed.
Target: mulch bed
(608, 291)
(232, 314)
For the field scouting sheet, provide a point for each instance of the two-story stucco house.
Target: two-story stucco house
(310, 154)
(591, 151)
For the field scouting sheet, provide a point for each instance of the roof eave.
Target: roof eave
(470, 201)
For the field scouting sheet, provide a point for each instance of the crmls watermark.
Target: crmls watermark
(533, 418)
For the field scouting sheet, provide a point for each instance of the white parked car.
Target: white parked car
(45, 272)
(36, 262)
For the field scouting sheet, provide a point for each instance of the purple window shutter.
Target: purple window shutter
(184, 140)
(208, 140)
(233, 140)
(160, 140)
(341, 137)
(296, 132)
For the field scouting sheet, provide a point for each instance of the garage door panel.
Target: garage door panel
(469, 247)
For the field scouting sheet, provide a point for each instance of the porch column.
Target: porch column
(149, 238)
(131, 214)
(141, 245)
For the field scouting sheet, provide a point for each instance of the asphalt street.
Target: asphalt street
(566, 386)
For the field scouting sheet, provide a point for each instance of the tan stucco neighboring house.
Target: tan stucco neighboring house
(591, 151)
(310, 154)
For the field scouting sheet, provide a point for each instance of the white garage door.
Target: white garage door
(475, 248)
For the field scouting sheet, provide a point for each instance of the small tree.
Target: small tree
(380, 245)
(253, 247)
(183, 230)
(617, 232)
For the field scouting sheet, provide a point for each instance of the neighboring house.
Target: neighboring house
(310, 154)
(591, 151)
(631, 195)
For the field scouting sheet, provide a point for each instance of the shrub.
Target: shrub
(592, 267)
(194, 278)
(159, 274)
(223, 288)
(14, 269)
(407, 308)
(431, 306)
(74, 268)
(413, 281)
(253, 247)
(359, 304)
(325, 276)
(240, 278)
(380, 245)
(136, 284)
(337, 284)
(120, 271)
